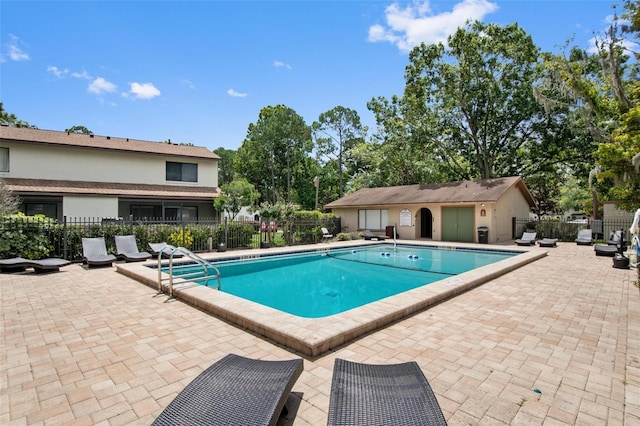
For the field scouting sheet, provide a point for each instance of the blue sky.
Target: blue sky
(201, 71)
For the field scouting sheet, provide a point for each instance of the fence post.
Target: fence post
(64, 237)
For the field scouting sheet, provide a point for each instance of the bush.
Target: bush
(344, 236)
(24, 237)
(182, 238)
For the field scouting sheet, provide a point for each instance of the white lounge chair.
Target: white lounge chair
(325, 234)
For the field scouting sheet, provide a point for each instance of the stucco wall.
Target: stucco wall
(89, 206)
(91, 165)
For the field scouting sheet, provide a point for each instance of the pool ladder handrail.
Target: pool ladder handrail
(190, 277)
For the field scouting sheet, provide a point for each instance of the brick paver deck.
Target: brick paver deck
(95, 347)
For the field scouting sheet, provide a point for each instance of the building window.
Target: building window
(4, 159)
(46, 209)
(182, 172)
(373, 219)
(146, 212)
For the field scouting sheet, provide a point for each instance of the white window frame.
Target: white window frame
(4, 159)
(373, 218)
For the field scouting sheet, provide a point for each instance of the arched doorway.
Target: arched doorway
(426, 223)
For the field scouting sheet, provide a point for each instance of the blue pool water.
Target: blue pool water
(315, 285)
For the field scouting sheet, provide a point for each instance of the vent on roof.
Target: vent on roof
(91, 135)
(108, 137)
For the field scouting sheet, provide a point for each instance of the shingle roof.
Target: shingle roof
(487, 190)
(102, 142)
(122, 190)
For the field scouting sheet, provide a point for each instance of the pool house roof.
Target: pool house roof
(478, 191)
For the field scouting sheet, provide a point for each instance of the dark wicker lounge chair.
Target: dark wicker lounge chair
(585, 237)
(527, 239)
(127, 248)
(605, 250)
(94, 252)
(17, 264)
(234, 391)
(396, 394)
(368, 235)
(548, 242)
(164, 248)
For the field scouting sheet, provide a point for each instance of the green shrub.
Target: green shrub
(182, 238)
(26, 236)
(344, 236)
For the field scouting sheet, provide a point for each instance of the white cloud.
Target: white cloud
(14, 50)
(57, 71)
(144, 90)
(235, 94)
(280, 64)
(100, 86)
(83, 75)
(408, 27)
(188, 83)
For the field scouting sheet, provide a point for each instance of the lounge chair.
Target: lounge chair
(548, 242)
(395, 394)
(325, 234)
(605, 250)
(234, 391)
(127, 248)
(527, 239)
(164, 248)
(616, 238)
(17, 264)
(368, 235)
(585, 237)
(94, 252)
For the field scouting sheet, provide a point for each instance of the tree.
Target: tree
(11, 120)
(9, 202)
(274, 154)
(225, 165)
(79, 129)
(470, 104)
(236, 195)
(336, 132)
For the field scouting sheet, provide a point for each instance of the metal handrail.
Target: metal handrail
(191, 277)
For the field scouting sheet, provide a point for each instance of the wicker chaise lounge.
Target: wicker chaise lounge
(367, 394)
(235, 391)
(127, 248)
(548, 242)
(585, 237)
(527, 239)
(163, 249)
(94, 252)
(368, 235)
(16, 264)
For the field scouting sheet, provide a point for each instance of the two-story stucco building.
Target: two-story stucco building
(76, 175)
(451, 211)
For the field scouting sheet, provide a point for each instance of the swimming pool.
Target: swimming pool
(316, 285)
(315, 336)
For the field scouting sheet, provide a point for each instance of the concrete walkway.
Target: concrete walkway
(84, 347)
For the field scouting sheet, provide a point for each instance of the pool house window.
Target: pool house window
(373, 219)
(4, 159)
(182, 172)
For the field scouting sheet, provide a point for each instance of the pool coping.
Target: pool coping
(315, 336)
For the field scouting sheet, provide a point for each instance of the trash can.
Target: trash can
(483, 235)
(388, 231)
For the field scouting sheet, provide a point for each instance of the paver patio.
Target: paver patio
(96, 347)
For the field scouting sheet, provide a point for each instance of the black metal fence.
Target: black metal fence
(568, 230)
(40, 237)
